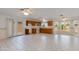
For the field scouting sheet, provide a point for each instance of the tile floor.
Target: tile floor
(40, 42)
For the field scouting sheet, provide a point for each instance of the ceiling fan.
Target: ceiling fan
(25, 11)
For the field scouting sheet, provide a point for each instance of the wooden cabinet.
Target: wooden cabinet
(34, 31)
(50, 23)
(27, 31)
(33, 23)
(46, 30)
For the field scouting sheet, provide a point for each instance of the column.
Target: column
(24, 24)
(15, 26)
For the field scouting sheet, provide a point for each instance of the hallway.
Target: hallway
(40, 42)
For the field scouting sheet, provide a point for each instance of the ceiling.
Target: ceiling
(42, 12)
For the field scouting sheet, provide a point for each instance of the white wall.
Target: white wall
(2, 27)
(6, 27)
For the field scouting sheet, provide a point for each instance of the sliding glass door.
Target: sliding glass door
(66, 27)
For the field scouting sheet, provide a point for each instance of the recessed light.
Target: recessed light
(25, 13)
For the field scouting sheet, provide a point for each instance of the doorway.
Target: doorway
(19, 28)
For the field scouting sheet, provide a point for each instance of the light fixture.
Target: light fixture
(62, 17)
(25, 11)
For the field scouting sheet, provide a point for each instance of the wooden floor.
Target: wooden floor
(40, 42)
